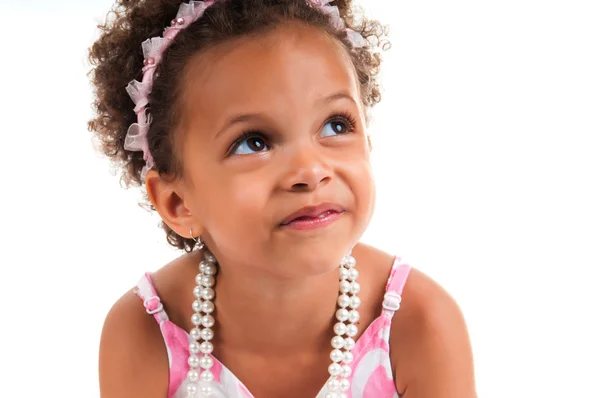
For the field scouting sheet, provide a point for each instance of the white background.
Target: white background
(486, 154)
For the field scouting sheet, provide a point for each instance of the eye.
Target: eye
(342, 124)
(248, 143)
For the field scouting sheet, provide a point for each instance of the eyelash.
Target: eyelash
(344, 117)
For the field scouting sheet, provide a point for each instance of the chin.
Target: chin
(314, 259)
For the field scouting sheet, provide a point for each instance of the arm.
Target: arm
(431, 344)
(133, 360)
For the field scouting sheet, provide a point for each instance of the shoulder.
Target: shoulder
(429, 343)
(133, 356)
(133, 359)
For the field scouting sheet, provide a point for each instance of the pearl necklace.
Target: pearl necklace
(200, 377)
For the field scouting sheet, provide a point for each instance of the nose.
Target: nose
(307, 168)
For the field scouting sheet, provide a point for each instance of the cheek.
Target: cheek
(368, 188)
(362, 184)
(237, 208)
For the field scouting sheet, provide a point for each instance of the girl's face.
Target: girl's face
(271, 124)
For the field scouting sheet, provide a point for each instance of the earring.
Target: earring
(198, 240)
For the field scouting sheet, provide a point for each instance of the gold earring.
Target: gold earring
(198, 240)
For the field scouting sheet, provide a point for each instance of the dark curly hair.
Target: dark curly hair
(117, 59)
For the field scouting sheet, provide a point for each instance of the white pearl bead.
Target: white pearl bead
(348, 357)
(197, 305)
(337, 342)
(353, 274)
(206, 376)
(193, 361)
(197, 291)
(210, 269)
(208, 281)
(353, 316)
(195, 333)
(342, 315)
(208, 321)
(195, 347)
(191, 388)
(209, 257)
(207, 293)
(199, 279)
(351, 330)
(344, 385)
(206, 362)
(354, 302)
(207, 307)
(344, 286)
(354, 287)
(333, 384)
(336, 355)
(192, 375)
(346, 371)
(343, 301)
(339, 328)
(334, 395)
(207, 334)
(349, 343)
(206, 391)
(206, 347)
(202, 266)
(196, 319)
(343, 273)
(335, 369)
(350, 262)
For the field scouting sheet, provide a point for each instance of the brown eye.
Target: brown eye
(249, 143)
(335, 127)
(339, 127)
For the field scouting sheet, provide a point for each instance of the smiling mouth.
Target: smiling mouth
(313, 212)
(322, 215)
(308, 223)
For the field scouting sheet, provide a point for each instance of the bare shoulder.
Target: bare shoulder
(133, 359)
(430, 347)
(133, 356)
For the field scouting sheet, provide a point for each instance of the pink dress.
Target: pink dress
(371, 369)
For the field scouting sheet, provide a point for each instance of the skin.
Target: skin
(277, 287)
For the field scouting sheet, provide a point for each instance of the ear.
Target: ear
(167, 197)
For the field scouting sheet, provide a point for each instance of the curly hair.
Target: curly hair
(117, 59)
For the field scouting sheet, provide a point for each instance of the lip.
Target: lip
(304, 224)
(313, 212)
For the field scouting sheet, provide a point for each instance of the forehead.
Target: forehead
(292, 66)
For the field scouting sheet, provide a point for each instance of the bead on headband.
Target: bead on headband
(153, 49)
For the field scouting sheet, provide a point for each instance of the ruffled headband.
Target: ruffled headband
(154, 48)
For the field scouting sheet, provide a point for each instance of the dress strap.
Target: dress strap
(145, 290)
(395, 286)
(175, 339)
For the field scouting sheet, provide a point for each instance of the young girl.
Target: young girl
(247, 128)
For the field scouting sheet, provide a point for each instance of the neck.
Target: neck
(274, 316)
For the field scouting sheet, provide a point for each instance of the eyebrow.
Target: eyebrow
(249, 116)
(336, 97)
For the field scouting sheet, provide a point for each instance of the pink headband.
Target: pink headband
(153, 49)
